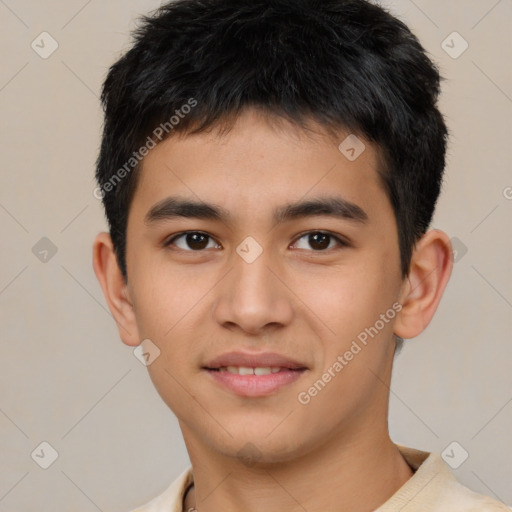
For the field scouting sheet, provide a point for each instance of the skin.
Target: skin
(334, 453)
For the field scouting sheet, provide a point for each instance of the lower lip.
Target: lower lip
(255, 385)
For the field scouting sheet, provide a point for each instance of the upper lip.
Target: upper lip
(254, 360)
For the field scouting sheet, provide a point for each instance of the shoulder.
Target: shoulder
(171, 499)
(433, 488)
(459, 498)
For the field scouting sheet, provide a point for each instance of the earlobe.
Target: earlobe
(430, 270)
(114, 288)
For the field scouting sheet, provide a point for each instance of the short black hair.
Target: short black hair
(346, 64)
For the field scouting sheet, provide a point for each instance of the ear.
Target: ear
(115, 288)
(429, 272)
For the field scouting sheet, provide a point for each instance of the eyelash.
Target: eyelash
(341, 243)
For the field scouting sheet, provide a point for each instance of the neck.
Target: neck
(357, 475)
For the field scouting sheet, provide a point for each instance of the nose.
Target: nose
(253, 297)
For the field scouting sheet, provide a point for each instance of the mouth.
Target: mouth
(253, 360)
(254, 382)
(247, 370)
(254, 375)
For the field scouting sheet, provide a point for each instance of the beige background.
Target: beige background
(66, 377)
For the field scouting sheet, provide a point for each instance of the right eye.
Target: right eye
(192, 241)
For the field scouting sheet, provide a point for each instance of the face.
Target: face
(265, 247)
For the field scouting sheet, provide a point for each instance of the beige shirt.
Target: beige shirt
(432, 488)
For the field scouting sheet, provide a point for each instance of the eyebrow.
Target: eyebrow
(338, 207)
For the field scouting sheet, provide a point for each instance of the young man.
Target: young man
(269, 171)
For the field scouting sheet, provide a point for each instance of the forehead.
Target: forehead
(260, 161)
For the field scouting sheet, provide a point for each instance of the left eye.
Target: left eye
(319, 241)
(195, 240)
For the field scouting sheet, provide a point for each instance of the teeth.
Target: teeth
(262, 371)
(244, 370)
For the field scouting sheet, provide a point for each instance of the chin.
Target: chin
(261, 449)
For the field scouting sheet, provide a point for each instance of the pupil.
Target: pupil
(196, 240)
(319, 241)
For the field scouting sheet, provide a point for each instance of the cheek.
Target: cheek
(349, 301)
(163, 297)
(346, 297)
(170, 311)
